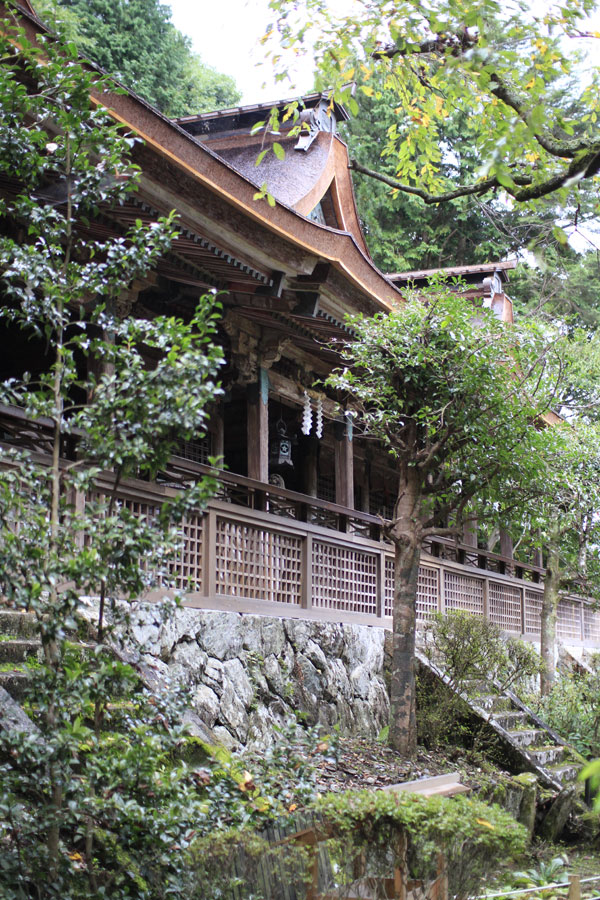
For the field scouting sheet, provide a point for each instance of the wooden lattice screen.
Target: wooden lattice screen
(187, 569)
(257, 563)
(463, 592)
(533, 611)
(568, 619)
(505, 606)
(428, 591)
(591, 624)
(344, 578)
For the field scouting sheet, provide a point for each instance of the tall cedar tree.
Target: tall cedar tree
(136, 41)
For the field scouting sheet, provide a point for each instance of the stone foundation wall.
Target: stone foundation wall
(247, 673)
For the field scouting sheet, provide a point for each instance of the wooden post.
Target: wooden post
(209, 554)
(306, 573)
(486, 599)
(258, 428)
(574, 887)
(344, 463)
(380, 609)
(400, 869)
(218, 448)
(439, 889)
(309, 465)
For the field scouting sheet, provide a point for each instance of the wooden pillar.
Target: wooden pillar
(258, 428)
(310, 448)
(344, 463)
(218, 434)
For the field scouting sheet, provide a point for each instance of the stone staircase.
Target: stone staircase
(529, 742)
(19, 650)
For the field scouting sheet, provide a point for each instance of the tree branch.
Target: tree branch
(560, 149)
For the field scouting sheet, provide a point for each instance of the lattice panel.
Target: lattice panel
(197, 450)
(326, 487)
(428, 591)
(256, 563)
(568, 619)
(463, 592)
(187, 570)
(388, 588)
(533, 611)
(344, 578)
(505, 606)
(591, 624)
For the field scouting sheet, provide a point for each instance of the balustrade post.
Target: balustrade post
(209, 554)
(442, 590)
(380, 608)
(306, 579)
(486, 599)
(582, 619)
(522, 590)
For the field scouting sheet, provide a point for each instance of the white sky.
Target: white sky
(225, 33)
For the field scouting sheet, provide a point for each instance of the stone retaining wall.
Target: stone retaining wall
(247, 673)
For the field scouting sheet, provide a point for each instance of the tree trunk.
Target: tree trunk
(406, 535)
(548, 620)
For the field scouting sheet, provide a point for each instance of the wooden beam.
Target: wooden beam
(258, 428)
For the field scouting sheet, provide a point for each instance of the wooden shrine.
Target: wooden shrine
(296, 526)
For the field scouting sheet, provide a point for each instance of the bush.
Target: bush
(475, 655)
(573, 709)
(370, 826)
(471, 649)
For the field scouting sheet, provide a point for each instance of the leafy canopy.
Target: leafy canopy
(452, 393)
(499, 68)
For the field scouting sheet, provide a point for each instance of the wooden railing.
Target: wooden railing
(266, 550)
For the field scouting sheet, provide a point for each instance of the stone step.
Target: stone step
(527, 737)
(511, 720)
(492, 702)
(565, 773)
(15, 683)
(18, 624)
(547, 755)
(19, 650)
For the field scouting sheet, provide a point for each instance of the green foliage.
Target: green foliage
(136, 41)
(567, 287)
(450, 393)
(572, 708)
(500, 71)
(402, 232)
(97, 802)
(472, 649)
(477, 657)
(472, 835)
(552, 872)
